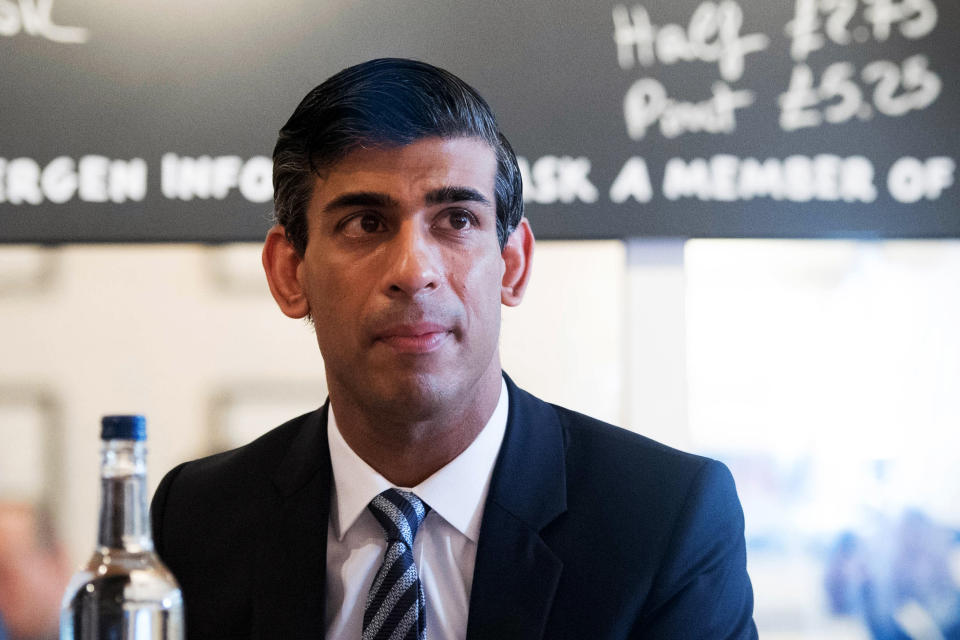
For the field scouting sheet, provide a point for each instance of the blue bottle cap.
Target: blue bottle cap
(123, 428)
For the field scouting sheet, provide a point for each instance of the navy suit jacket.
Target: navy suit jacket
(589, 532)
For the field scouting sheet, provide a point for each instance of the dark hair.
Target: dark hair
(384, 102)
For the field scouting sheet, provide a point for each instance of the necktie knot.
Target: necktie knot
(400, 514)
(396, 605)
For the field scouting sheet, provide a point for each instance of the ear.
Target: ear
(281, 263)
(517, 260)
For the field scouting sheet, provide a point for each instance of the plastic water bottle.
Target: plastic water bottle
(124, 592)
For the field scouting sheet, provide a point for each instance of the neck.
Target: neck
(124, 522)
(408, 451)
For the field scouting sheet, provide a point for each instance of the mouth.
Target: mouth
(417, 338)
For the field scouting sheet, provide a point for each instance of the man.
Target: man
(34, 571)
(431, 497)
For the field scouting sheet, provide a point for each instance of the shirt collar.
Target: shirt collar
(456, 492)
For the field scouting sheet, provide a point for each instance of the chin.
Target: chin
(416, 398)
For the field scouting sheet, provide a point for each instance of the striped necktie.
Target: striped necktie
(395, 606)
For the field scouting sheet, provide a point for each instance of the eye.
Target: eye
(362, 224)
(457, 220)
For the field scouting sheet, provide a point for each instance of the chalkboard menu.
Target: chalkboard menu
(154, 121)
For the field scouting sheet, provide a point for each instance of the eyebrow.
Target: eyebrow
(443, 195)
(360, 199)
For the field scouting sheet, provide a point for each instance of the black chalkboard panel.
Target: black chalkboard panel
(147, 121)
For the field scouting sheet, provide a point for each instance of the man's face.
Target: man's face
(402, 274)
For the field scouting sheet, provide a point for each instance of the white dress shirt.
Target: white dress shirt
(445, 546)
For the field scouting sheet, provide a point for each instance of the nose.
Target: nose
(413, 263)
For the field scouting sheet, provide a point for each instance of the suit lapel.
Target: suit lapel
(516, 573)
(292, 563)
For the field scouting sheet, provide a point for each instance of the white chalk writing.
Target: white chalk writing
(647, 103)
(922, 86)
(34, 17)
(90, 179)
(899, 89)
(911, 180)
(796, 178)
(633, 181)
(553, 179)
(713, 35)
(204, 177)
(913, 18)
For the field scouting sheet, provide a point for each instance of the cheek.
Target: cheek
(329, 288)
(335, 311)
(481, 287)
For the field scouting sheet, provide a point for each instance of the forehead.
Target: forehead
(408, 172)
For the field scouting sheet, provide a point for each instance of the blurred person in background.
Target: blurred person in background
(899, 580)
(34, 570)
